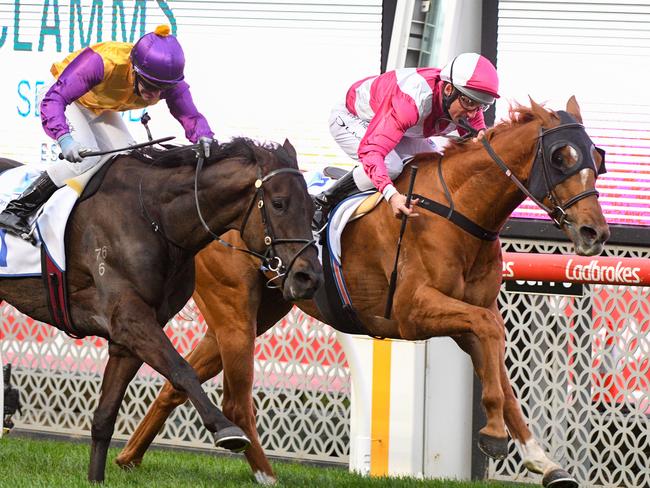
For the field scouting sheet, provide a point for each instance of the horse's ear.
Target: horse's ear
(539, 111)
(573, 108)
(290, 149)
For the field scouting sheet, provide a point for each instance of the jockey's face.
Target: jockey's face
(457, 109)
(147, 92)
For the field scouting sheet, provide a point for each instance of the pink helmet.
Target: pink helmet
(473, 76)
(158, 57)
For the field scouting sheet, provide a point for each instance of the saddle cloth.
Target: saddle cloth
(332, 299)
(19, 258)
(352, 208)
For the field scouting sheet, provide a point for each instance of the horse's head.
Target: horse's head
(277, 224)
(563, 177)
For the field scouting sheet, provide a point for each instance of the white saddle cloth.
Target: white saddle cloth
(339, 216)
(18, 257)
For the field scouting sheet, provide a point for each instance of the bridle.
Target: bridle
(270, 259)
(557, 210)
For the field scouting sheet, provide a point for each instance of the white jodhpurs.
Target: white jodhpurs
(96, 132)
(348, 130)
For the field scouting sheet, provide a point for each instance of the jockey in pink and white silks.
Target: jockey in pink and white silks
(81, 110)
(390, 117)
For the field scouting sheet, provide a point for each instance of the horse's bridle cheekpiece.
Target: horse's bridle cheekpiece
(270, 260)
(545, 175)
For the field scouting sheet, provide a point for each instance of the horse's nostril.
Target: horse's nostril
(302, 277)
(306, 280)
(588, 234)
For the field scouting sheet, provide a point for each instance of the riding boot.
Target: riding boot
(330, 198)
(14, 218)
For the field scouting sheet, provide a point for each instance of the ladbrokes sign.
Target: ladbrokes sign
(594, 271)
(575, 269)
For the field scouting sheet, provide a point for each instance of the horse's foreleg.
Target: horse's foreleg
(533, 456)
(205, 360)
(238, 368)
(135, 326)
(426, 312)
(512, 413)
(120, 370)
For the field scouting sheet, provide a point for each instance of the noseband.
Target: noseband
(270, 259)
(557, 210)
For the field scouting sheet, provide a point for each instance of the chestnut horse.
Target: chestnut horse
(146, 222)
(448, 283)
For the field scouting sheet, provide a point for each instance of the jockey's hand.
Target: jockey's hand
(205, 142)
(479, 136)
(398, 206)
(72, 150)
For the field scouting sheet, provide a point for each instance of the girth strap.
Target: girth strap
(333, 300)
(57, 295)
(457, 218)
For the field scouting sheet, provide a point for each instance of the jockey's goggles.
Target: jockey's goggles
(150, 86)
(470, 104)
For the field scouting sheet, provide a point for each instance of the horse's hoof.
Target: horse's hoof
(265, 479)
(128, 465)
(494, 447)
(232, 438)
(558, 478)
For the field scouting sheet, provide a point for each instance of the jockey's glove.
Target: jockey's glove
(71, 149)
(205, 142)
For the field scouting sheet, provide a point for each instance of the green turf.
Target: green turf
(50, 463)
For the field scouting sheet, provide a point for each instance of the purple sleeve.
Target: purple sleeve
(84, 72)
(181, 106)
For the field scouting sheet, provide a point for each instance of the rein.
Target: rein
(270, 260)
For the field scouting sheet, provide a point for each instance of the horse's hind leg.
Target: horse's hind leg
(120, 370)
(205, 360)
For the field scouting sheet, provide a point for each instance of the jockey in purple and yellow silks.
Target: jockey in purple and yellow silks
(390, 117)
(80, 110)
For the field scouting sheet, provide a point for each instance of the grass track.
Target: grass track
(51, 463)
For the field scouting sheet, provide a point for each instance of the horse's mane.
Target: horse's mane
(517, 115)
(239, 147)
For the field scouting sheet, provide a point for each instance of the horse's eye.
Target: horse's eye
(565, 156)
(278, 205)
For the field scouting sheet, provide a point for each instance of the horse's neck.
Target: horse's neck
(480, 189)
(224, 192)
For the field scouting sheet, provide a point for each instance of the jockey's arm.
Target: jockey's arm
(80, 76)
(181, 106)
(385, 131)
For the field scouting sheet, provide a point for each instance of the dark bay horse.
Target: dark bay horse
(448, 283)
(148, 220)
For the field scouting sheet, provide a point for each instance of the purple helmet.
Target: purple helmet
(158, 57)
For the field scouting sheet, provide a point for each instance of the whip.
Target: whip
(393, 276)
